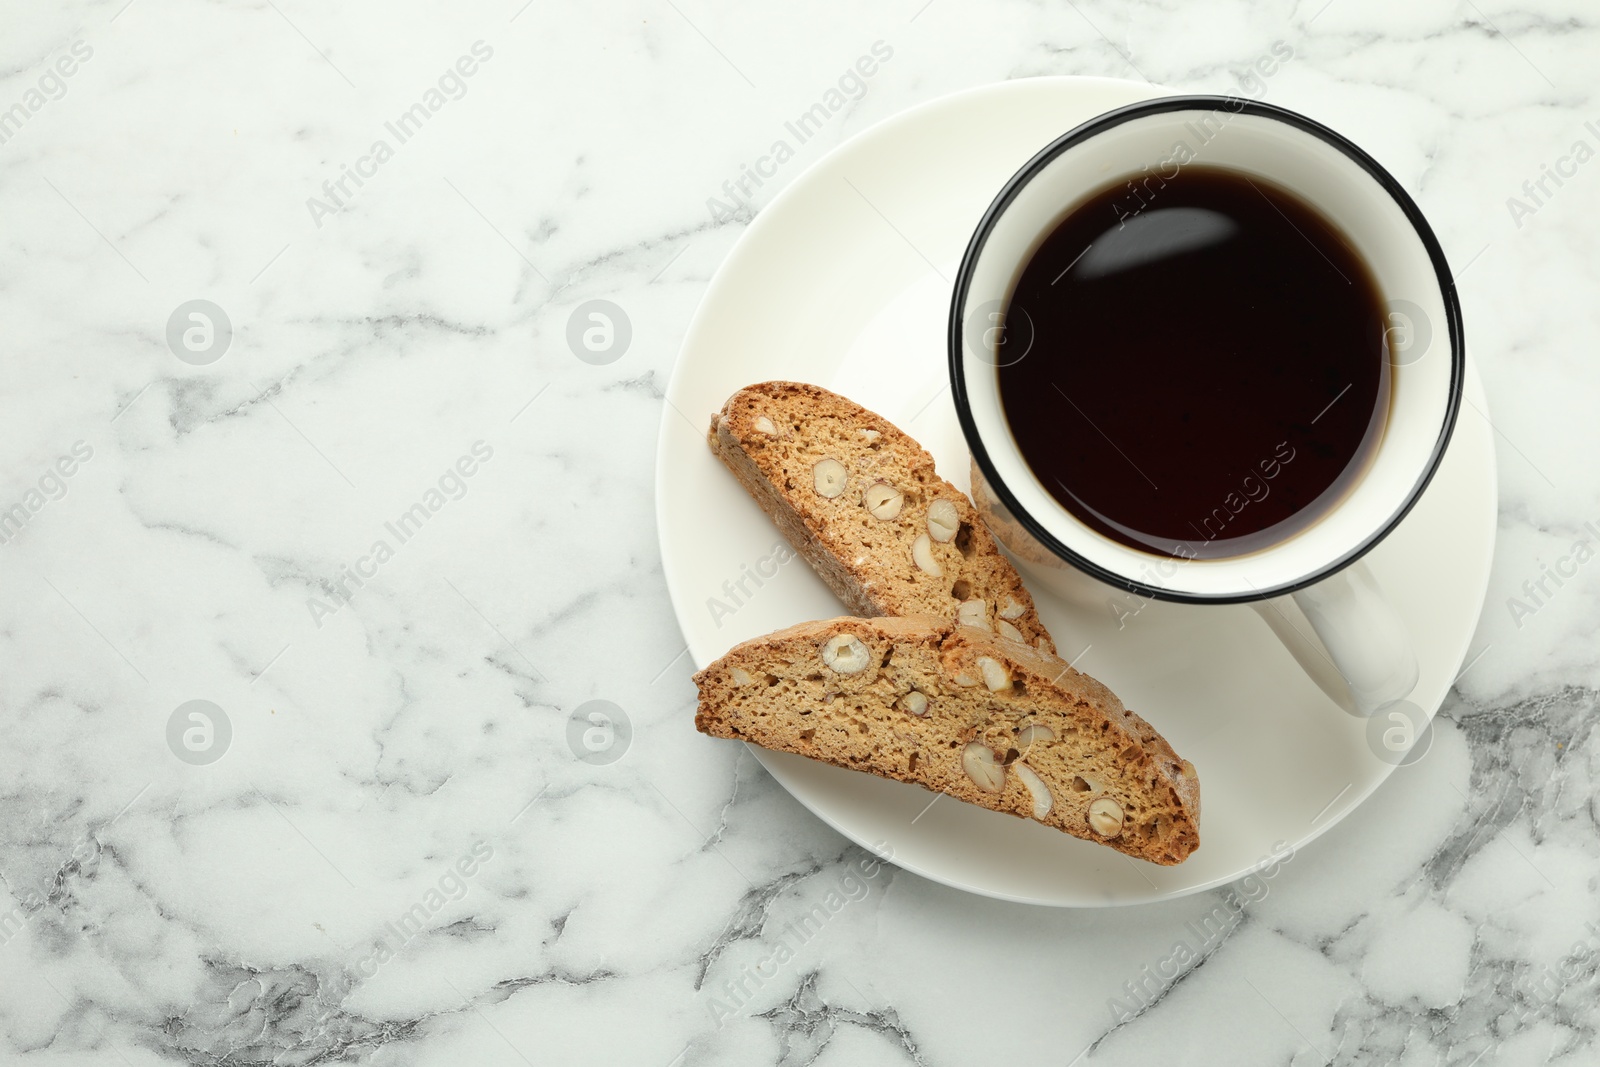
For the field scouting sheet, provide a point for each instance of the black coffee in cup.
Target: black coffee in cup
(1206, 370)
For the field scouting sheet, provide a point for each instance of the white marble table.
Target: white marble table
(394, 532)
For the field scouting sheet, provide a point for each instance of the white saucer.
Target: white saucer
(838, 282)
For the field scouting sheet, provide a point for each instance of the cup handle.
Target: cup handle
(1345, 634)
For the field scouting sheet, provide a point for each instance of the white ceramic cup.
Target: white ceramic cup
(1310, 588)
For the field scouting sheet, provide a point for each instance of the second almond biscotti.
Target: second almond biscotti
(960, 711)
(862, 502)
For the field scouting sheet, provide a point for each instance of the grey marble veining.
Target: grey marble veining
(399, 857)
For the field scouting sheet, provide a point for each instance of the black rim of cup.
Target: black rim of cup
(1238, 106)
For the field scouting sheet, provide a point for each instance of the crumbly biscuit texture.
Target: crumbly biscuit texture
(963, 711)
(863, 503)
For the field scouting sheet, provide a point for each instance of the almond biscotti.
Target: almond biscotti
(862, 502)
(961, 711)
